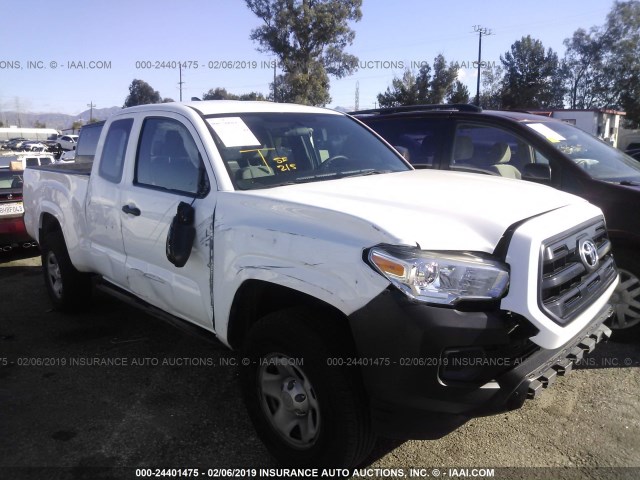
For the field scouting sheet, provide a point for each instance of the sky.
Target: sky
(88, 52)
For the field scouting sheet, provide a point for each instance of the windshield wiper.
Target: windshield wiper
(335, 175)
(629, 183)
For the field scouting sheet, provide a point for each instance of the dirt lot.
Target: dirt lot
(173, 402)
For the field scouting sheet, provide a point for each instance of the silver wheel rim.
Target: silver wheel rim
(289, 401)
(626, 301)
(54, 276)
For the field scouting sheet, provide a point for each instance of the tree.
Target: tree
(309, 38)
(533, 78)
(39, 124)
(76, 125)
(619, 84)
(491, 94)
(218, 94)
(603, 64)
(252, 96)
(222, 94)
(442, 82)
(403, 91)
(424, 87)
(583, 61)
(459, 93)
(141, 93)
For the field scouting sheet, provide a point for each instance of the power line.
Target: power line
(180, 82)
(480, 30)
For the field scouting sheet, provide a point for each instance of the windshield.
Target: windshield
(10, 179)
(269, 149)
(599, 159)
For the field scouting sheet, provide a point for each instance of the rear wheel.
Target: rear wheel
(626, 298)
(68, 288)
(306, 410)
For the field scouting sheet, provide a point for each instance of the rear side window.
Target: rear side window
(114, 150)
(420, 136)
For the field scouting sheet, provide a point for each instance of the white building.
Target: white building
(599, 122)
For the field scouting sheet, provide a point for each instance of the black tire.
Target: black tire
(626, 298)
(68, 289)
(291, 350)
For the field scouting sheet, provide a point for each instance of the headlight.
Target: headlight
(441, 277)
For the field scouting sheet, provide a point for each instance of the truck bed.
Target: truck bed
(70, 168)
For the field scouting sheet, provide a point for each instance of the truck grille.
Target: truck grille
(573, 273)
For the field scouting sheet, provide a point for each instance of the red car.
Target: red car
(12, 231)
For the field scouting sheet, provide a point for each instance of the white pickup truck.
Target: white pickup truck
(367, 298)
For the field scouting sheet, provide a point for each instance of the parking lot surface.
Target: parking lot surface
(113, 387)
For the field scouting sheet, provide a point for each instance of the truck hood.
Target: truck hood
(432, 209)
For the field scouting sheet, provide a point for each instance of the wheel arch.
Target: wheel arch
(47, 225)
(258, 298)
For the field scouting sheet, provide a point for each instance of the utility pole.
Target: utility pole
(275, 99)
(480, 31)
(180, 82)
(91, 105)
(357, 107)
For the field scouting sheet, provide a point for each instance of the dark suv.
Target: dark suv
(525, 146)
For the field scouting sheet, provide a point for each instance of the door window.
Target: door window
(488, 149)
(168, 158)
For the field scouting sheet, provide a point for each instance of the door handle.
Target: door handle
(131, 210)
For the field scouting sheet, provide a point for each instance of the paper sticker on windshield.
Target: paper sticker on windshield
(233, 132)
(546, 132)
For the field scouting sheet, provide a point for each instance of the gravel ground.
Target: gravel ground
(64, 414)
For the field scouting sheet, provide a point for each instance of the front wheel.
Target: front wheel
(626, 298)
(306, 410)
(68, 288)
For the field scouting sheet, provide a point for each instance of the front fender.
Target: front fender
(331, 273)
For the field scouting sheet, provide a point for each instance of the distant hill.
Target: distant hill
(59, 121)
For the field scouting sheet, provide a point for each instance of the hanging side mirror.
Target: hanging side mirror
(181, 235)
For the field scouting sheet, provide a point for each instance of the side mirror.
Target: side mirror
(181, 235)
(404, 151)
(536, 172)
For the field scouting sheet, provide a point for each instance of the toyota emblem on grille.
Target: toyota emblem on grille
(588, 253)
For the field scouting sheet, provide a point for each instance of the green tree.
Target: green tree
(141, 93)
(39, 124)
(442, 81)
(533, 78)
(76, 126)
(459, 93)
(427, 86)
(491, 93)
(403, 91)
(219, 93)
(309, 38)
(619, 85)
(583, 61)
(603, 64)
(252, 96)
